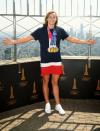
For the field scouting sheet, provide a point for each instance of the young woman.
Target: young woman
(49, 37)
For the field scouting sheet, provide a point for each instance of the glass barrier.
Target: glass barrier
(19, 21)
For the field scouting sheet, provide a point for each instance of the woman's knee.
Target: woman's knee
(45, 79)
(54, 80)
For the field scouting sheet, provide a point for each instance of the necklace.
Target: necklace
(52, 41)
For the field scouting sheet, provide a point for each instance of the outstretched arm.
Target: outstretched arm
(79, 41)
(9, 41)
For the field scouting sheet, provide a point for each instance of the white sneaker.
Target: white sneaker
(47, 108)
(59, 108)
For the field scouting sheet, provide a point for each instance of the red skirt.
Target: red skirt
(52, 69)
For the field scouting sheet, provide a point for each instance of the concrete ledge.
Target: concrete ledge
(32, 59)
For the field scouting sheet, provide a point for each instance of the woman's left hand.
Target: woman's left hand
(90, 41)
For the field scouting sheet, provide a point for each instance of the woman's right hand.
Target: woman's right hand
(8, 41)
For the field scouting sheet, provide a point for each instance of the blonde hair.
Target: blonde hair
(47, 15)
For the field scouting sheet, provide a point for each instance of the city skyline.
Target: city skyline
(81, 18)
(32, 49)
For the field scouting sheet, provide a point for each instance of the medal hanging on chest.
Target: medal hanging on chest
(52, 41)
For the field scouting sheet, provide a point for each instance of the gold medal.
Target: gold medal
(52, 41)
(48, 49)
(53, 49)
(57, 49)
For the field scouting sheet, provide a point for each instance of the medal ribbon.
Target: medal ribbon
(52, 38)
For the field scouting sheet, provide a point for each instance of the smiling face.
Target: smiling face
(51, 19)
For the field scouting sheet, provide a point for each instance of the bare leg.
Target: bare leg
(58, 106)
(55, 79)
(45, 88)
